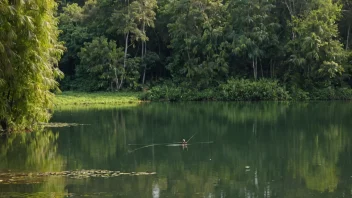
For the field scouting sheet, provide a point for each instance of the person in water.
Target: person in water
(184, 144)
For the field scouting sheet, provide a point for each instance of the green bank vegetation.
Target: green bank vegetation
(100, 100)
(244, 90)
(80, 98)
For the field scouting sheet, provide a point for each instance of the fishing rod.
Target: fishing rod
(210, 142)
(168, 144)
(191, 137)
(149, 145)
(180, 143)
(165, 143)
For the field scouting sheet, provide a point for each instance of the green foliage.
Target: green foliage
(73, 34)
(243, 90)
(203, 43)
(315, 52)
(79, 99)
(131, 21)
(196, 40)
(331, 94)
(131, 72)
(252, 30)
(252, 90)
(233, 90)
(299, 94)
(100, 65)
(29, 54)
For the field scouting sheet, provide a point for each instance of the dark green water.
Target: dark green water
(259, 150)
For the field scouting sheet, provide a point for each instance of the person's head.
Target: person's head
(183, 140)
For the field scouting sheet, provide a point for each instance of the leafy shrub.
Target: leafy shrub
(299, 94)
(331, 94)
(233, 90)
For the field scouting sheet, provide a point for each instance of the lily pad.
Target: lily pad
(25, 177)
(59, 125)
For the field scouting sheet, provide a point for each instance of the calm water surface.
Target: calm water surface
(259, 150)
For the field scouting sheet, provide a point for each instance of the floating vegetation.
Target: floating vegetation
(30, 178)
(58, 124)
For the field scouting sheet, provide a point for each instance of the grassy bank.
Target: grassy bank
(98, 99)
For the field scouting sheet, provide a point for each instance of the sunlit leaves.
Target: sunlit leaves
(28, 59)
(315, 48)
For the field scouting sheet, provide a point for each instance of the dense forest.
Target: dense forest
(172, 50)
(301, 45)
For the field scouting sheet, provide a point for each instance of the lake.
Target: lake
(239, 149)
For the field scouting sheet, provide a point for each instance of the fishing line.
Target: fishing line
(191, 137)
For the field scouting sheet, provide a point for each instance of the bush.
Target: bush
(299, 94)
(242, 90)
(233, 90)
(167, 92)
(331, 94)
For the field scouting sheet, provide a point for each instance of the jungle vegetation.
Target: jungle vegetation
(299, 46)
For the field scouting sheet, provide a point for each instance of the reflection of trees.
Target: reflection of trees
(288, 147)
(36, 151)
(95, 144)
(316, 158)
(32, 152)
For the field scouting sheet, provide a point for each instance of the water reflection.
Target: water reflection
(261, 150)
(27, 153)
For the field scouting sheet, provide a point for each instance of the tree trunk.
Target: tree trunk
(116, 80)
(348, 35)
(145, 71)
(255, 68)
(261, 67)
(124, 60)
(271, 68)
(144, 52)
(145, 65)
(4, 124)
(142, 58)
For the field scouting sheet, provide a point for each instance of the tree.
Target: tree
(204, 42)
(74, 34)
(143, 12)
(131, 20)
(100, 65)
(316, 53)
(124, 23)
(197, 42)
(29, 54)
(251, 30)
(346, 23)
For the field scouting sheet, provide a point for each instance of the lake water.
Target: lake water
(244, 150)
